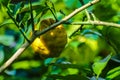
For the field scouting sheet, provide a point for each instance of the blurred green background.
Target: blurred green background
(91, 44)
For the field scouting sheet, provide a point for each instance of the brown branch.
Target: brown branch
(26, 45)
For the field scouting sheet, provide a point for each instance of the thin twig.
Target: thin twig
(87, 14)
(54, 13)
(93, 16)
(79, 28)
(18, 26)
(51, 10)
(26, 44)
(97, 23)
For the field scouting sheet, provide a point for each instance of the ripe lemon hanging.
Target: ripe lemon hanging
(52, 42)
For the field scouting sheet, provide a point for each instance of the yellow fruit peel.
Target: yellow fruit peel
(52, 42)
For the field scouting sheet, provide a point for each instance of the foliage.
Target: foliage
(99, 66)
(92, 53)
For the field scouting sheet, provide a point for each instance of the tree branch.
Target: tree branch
(67, 17)
(26, 44)
(97, 23)
(90, 22)
(15, 56)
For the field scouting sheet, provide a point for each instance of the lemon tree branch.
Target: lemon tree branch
(68, 17)
(27, 44)
(90, 22)
(111, 24)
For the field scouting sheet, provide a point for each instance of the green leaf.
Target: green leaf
(68, 77)
(26, 64)
(1, 77)
(72, 71)
(91, 34)
(25, 18)
(34, 7)
(6, 40)
(100, 65)
(112, 35)
(6, 22)
(75, 66)
(73, 3)
(4, 2)
(113, 73)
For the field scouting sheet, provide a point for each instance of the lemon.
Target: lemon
(52, 42)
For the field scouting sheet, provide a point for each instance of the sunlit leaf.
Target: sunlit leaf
(6, 22)
(26, 64)
(100, 65)
(113, 73)
(73, 71)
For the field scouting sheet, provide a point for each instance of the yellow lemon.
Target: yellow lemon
(52, 42)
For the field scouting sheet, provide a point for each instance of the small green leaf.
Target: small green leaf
(25, 18)
(26, 64)
(113, 73)
(6, 40)
(73, 71)
(6, 22)
(100, 65)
